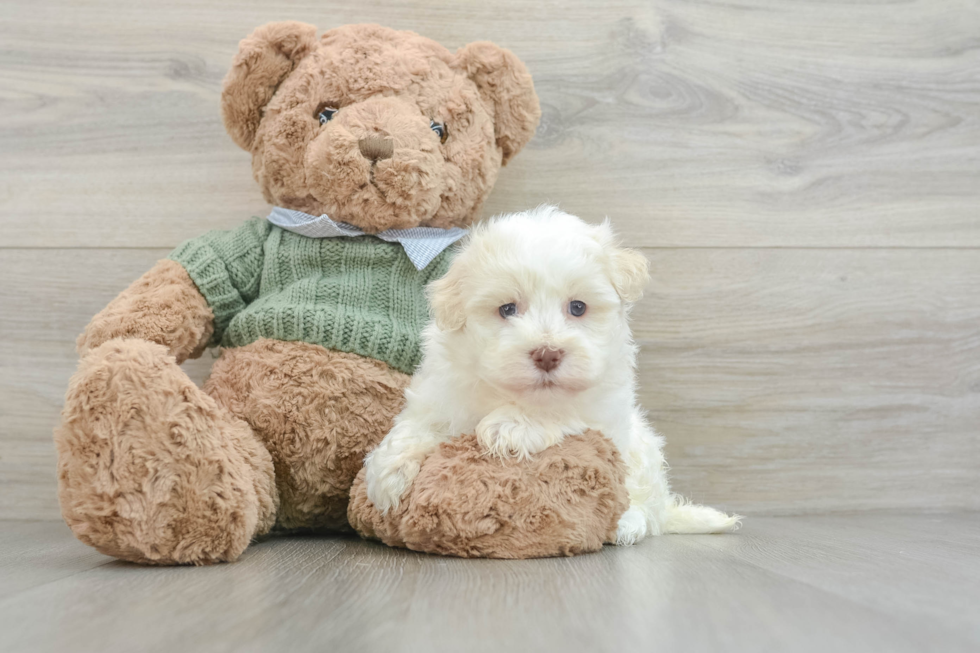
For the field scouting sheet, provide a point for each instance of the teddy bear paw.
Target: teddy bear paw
(151, 469)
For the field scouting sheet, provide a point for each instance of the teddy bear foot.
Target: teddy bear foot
(562, 501)
(151, 469)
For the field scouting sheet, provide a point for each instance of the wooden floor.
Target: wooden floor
(859, 582)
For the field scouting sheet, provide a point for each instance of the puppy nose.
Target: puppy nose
(546, 358)
(376, 147)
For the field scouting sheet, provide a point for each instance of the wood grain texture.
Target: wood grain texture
(784, 381)
(870, 582)
(747, 122)
(801, 381)
(33, 553)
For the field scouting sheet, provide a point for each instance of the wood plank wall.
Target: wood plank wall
(804, 177)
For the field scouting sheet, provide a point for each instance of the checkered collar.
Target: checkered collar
(421, 244)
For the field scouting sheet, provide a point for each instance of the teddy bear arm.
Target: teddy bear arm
(163, 306)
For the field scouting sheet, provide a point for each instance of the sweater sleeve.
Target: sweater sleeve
(226, 266)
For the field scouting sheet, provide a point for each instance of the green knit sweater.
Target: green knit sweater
(359, 295)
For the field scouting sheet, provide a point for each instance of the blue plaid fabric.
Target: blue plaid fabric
(421, 244)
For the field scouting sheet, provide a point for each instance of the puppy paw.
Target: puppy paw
(632, 527)
(506, 433)
(388, 478)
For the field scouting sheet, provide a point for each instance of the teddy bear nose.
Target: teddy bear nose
(546, 358)
(375, 148)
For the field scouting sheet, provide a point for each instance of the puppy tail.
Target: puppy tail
(686, 517)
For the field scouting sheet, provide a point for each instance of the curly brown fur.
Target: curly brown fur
(317, 411)
(565, 501)
(385, 84)
(505, 83)
(264, 59)
(151, 469)
(163, 306)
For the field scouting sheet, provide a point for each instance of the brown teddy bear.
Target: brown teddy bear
(399, 142)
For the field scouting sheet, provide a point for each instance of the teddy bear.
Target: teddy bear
(376, 149)
(395, 142)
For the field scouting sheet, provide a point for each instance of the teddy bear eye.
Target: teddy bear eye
(440, 130)
(325, 114)
(508, 310)
(576, 308)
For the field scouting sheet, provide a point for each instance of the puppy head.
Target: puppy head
(537, 301)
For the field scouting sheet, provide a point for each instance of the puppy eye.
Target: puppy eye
(325, 114)
(576, 308)
(440, 130)
(508, 310)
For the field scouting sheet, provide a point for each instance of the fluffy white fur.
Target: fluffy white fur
(478, 374)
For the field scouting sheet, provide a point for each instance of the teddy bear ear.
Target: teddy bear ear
(264, 59)
(506, 85)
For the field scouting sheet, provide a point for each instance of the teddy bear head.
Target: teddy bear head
(379, 128)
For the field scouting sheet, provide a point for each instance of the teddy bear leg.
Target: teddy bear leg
(151, 469)
(319, 412)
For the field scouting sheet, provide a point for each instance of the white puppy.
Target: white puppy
(531, 343)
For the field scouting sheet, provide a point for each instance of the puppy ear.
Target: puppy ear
(629, 269)
(505, 85)
(446, 299)
(264, 59)
(630, 274)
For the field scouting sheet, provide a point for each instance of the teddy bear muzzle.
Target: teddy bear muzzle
(376, 148)
(377, 162)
